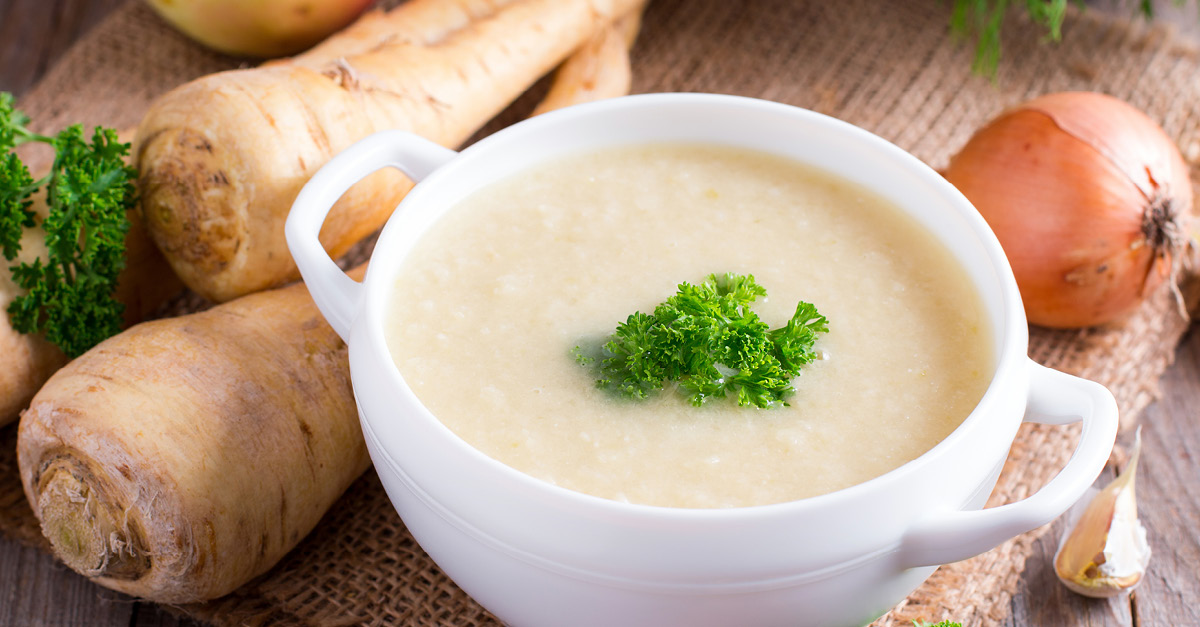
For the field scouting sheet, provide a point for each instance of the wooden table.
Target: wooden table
(37, 590)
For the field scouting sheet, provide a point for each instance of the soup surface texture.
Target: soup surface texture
(488, 306)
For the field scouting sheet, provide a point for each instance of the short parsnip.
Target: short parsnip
(183, 457)
(222, 158)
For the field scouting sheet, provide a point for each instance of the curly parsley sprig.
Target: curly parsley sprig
(89, 190)
(707, 339)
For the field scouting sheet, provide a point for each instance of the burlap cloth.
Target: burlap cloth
(890, 67)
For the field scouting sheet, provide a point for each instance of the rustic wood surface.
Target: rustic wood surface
(36, 590)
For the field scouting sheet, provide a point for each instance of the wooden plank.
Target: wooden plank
(36, 32)
(37, 591)
(1169, 506)
(1168, 490)
(151, 615)
(1042, 600)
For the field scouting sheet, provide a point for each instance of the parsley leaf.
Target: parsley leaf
(15, 188)
(945, 623)
(16, 185)
(707, 339)
(68, 295)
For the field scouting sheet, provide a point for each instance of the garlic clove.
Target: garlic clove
(1106, 553)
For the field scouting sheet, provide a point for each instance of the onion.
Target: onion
(1090, 200)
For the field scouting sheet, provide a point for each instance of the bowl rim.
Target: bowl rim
(1010, 322)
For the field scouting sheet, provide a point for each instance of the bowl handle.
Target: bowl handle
(1055, 398)
(335, 293)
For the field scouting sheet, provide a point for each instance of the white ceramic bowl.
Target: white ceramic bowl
(536, 554)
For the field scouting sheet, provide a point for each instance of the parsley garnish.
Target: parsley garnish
(707, 339)
(945, 623)
(89, 189)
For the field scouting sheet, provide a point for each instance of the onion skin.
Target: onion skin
(1089, 199)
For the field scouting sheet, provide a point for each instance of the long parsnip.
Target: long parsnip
(183, 457)
(601, 70)
(222, 158)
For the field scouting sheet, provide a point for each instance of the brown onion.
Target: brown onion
(1089, 198)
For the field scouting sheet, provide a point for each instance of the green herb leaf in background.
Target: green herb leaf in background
(89, 190)
(983, 19)
(708, 340)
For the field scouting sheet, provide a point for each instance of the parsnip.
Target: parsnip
(183, 457)
(603, 71)
(222, 158)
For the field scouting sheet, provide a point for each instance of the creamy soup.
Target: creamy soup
(488, 306)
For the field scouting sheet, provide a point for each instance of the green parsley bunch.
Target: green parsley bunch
(68, 295)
